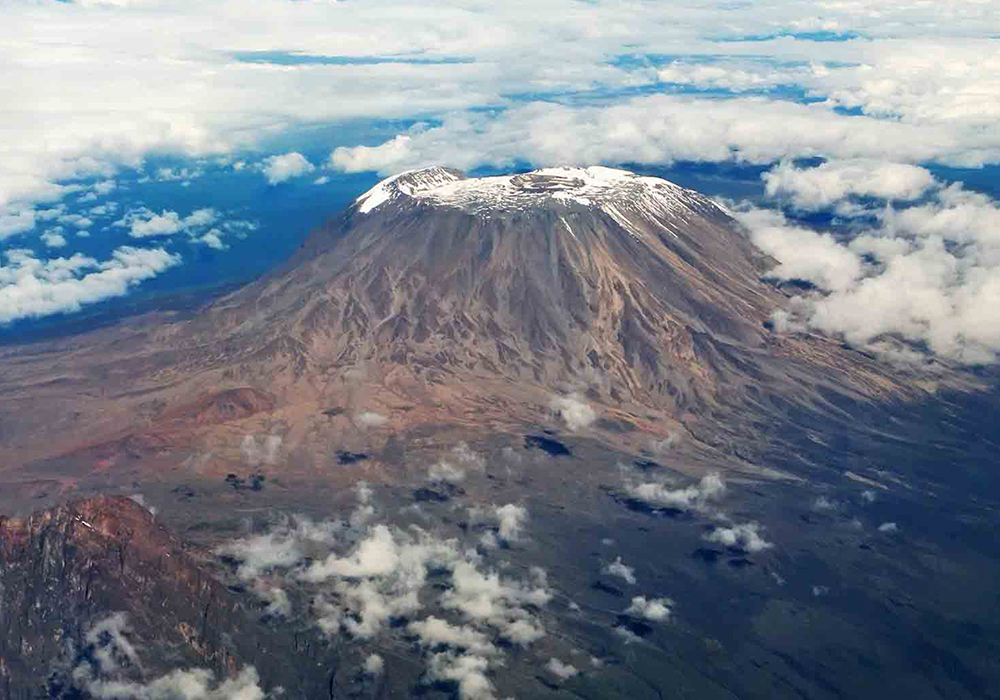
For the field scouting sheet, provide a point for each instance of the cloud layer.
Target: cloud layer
(112, 650)
(927, 273)
(365, 578)
(879, 91)
(31, 287)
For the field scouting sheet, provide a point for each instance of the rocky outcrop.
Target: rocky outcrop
(65, 569)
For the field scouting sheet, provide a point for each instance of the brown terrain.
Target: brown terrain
(437, 316)
(573, 331)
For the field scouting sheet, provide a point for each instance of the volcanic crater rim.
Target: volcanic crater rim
(620, 194)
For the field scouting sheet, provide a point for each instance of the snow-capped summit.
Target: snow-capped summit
(412, 183)
(619, 193)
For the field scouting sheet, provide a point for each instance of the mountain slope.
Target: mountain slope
(441, 300)
(556, 275)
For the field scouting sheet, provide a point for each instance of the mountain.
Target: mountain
(565, 275)
(441, 299)
(529, 435)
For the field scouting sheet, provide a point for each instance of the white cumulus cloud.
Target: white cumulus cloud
(619, 569)
(655, 609)
(561, 670)
(31, 288)
(278, 169)
(695, 496)
(743, 536)
(576, 412)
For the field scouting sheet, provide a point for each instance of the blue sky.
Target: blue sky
(150, 146)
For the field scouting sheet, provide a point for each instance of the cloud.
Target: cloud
(77, 220)
(112, 650)
(655, 609)
(376, 555)
(734, 76)
(211, 238)
(744, 536)
(445, 471)
(467, 670)
(658, 129)
(665, 445)
(816, 188)
(145, 223)
(435, 632)
(278, 603)
(370, 419)
(386, 158)
(265, 450)
(363, 576)
(573, 410)
(627, 635)
(53, 239)
(31, 288)
(194, 684)
(803, 254)
(379, 579)
(822, 503)
(888, 528)
(894, 72)
(943, 251)
(14, 222)
(365, 510)
(201, 217)
(177, 174)
(284, 546)
(561, 670)
(696, 496)
(453, 468)
(49, 214)
(618, 568)
(104, 187)
(512, 519)
(485, 597)
(278, 169)
(106, 209)
(111, 644)
(374, 665)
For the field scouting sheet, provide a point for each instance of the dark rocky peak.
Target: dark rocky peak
(66, 571)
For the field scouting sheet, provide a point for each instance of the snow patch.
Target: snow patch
(633, 201)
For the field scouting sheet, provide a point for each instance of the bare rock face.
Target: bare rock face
(103, 564)
(561, 274)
